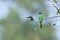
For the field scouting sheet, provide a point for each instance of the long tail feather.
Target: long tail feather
(34, 29)
(40, 24)
(34, 26)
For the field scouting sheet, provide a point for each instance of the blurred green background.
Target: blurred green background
(16, 27)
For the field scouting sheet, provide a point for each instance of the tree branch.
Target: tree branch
(51, 17)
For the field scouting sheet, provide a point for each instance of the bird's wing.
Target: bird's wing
(40, 17)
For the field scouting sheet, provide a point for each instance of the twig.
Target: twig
(51, 17)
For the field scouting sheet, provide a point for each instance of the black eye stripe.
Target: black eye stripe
(40, 13)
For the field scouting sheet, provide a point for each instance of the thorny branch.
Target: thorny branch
(51, 17)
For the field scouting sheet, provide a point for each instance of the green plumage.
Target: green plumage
(40, 18)
(32, 22)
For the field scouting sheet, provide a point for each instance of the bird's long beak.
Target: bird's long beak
(27, 17)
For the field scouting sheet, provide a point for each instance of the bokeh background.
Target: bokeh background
(14, 24)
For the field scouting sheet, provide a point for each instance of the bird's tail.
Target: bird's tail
(40, 24)
(34, 29)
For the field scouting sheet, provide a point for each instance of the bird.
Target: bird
(40, 18)
(32, 22)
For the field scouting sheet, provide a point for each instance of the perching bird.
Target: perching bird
(40, 18)
(32, 22)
